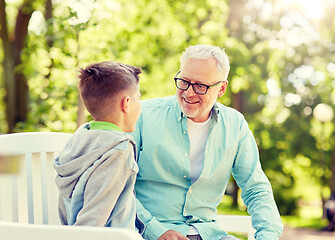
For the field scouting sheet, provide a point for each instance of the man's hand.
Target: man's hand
(172, 235)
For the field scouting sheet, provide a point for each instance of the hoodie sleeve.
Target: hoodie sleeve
(105, 184)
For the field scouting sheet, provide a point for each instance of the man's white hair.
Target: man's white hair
(206, 52)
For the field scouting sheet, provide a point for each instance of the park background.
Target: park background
(282, 76)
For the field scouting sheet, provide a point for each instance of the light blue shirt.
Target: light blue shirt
(166, 198)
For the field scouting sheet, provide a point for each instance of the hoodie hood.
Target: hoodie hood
(83, 149)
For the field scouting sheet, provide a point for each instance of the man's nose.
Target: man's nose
(190, 91)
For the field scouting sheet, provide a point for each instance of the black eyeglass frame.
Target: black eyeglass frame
(193, 84)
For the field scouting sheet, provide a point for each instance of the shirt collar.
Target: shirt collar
(100, 125)
(180, 115)
(215, 111)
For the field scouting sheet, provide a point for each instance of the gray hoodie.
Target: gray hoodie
(96, 176)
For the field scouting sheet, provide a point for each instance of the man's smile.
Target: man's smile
(190, 102)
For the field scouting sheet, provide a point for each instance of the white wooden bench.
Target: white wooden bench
(19, 231)
(29, 196)
(237, 224)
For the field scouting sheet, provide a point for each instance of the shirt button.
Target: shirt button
(185, 154)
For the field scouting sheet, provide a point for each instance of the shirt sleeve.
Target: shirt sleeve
(153, 228)
(104, 186)
(256, 189)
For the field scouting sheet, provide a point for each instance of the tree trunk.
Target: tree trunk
(234, 26)
(332, 168)
(8, 68)
(9, 83)
(235, 194)
(238, 105)
(48, 17)
(234, 22)
(81, 119)
(81, 112)
(49, 39)
(21, 30)
(15, 82)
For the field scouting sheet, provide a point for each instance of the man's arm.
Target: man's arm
(256, 188)
(153, 228)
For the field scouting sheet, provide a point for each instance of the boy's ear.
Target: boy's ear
(125, 103)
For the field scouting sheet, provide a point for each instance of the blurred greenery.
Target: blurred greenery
(282, 57)
(297, 222)
(306, 217)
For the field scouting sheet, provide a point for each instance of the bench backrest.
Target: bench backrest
(237, 224)
(19, 231)
(29, 194)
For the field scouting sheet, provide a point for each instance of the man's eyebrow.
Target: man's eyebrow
(185, 78)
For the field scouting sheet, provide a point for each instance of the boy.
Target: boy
(97, 168)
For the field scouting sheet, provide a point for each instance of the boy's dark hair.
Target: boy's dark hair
(103, 80)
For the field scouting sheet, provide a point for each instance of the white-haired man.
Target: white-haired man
(188, 147)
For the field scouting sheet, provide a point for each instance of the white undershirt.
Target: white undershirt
(198, 133)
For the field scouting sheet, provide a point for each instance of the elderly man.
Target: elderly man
(188, 147)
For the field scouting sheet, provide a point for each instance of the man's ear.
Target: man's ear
(125, 104)
(223, 88)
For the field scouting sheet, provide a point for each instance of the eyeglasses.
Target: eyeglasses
(198, 88)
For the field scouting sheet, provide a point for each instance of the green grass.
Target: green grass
(307, 217)
(315, 223)
(225, 207)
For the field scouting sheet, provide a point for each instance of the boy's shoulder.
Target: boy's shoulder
(103, 139)
(124, 143)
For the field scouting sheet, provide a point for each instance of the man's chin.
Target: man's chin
(189, 114)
